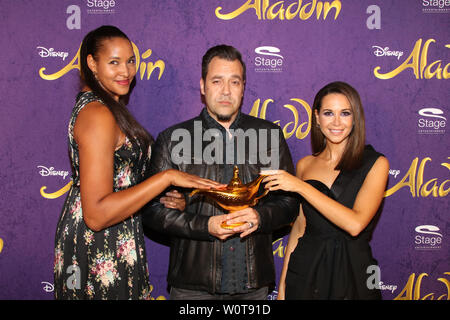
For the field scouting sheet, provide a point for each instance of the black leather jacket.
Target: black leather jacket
(195, 256)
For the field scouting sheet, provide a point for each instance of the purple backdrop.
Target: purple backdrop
(395, 53)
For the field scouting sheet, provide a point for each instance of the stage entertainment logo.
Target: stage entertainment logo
(435, 6)
(268, 59)
(427, 238)
(432, 121)
(101, 6)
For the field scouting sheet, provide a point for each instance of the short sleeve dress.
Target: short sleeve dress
(328, 263)
(111, 263)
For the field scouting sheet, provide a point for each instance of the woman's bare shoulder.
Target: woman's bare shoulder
(303, 163)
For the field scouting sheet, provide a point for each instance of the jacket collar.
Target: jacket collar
(212, 123)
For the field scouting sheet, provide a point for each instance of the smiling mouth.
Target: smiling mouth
(336, 131)
(123, 82)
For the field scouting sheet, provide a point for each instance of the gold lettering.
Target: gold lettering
(280, 13)
(299, 134)
(137, 55)
(289, 14)
(56, 194)
(157, 298)
(75, 64)
(414, 180)
(420, 173)
(424, 56)
(297, 128)
(413, 64)
(255, 109)
(446, 164)
(424, 192)
(150, 67)
(442, 192)
(409, 294)
(335, 4)
(447, 284)
(407, 181)
(406, 293)
(438, 72)
(319, 8)
(446, 73)
(280, 250)
(1, 245)
(418, 285)
(430, 295)
(303, 14)
(418, 61)
(287, 134)
(256, 5)
(264, 10)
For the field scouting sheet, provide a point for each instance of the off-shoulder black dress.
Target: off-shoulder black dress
(328, 263)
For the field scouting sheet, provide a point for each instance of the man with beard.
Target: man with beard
(208, 261)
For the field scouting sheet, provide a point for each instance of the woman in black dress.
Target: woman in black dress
(342, 184)
(99, 245)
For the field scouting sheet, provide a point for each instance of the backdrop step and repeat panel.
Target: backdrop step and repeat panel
(395, 53)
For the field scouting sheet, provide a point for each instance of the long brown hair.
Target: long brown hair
(91, 44)
(352, 156)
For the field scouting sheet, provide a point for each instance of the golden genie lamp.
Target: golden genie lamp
(235, 196)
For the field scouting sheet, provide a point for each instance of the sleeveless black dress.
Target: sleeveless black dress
(328, 263)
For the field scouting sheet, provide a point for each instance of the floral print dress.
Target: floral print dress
(109, 264)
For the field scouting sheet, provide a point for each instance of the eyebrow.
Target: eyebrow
(118, 58)
(235, 76)
(345, 109)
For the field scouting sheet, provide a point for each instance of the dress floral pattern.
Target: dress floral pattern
(109, 264)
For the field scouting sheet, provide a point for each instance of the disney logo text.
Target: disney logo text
(385, 52)
(45, 53)
(45, 172)
(48, 287)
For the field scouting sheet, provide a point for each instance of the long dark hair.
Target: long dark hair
(91, 44)
(352, 156)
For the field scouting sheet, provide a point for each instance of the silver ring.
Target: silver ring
(250, 225)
